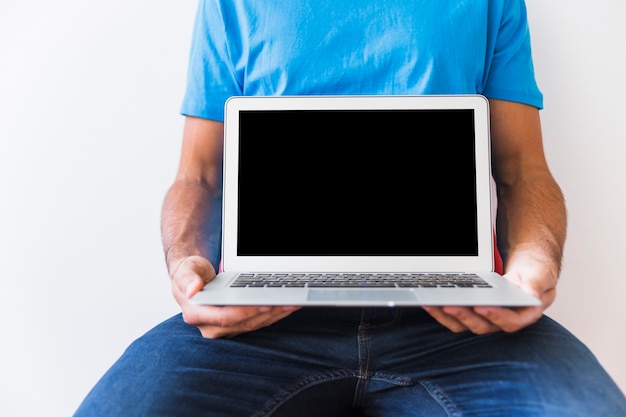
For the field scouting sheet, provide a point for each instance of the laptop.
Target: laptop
(358, 201)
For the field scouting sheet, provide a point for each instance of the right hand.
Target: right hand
(193, 273)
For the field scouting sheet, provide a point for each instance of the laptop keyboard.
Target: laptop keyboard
(360, 280)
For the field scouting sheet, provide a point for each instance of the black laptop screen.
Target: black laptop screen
(357, 183)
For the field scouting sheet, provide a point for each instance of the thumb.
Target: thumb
(193, 287)
(191, 274)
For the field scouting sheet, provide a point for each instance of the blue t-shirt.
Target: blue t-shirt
(348, 47)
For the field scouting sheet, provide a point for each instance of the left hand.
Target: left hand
(530, 273)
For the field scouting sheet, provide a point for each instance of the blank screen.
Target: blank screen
(357, 183)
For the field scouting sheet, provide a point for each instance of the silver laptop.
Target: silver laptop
(358, 201)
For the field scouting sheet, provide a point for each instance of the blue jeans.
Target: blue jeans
(356, 362)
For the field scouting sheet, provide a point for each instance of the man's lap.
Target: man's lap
(380, 361)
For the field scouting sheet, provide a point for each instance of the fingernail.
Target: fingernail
(483, 311)
(190, 290)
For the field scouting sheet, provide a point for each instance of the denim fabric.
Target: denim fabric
(356, 362)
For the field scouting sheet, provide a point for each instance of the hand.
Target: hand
(189, 276)
(527, 272)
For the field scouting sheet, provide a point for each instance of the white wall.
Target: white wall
(580, 59)
(89, 141)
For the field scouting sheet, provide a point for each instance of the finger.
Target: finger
(510, 319)
(194, 286)
(253, 323)
(191, 274)
(186, 287)
(536, 283)
(514, 319)
(446, 320)
(237, 316)
(231, 316)
(471, 320)
(261, 321)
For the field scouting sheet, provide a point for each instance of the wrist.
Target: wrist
(525, 256)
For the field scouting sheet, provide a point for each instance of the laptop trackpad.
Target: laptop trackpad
(361, 294)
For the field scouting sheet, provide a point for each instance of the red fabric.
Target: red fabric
(498, 263)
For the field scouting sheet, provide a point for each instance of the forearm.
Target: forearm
(531, 222)
(191, 223)
(531, 210)
(532, 219)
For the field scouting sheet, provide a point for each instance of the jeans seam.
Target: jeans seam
(364, 359)
(440, 396)
(364, 353)
(276, 401)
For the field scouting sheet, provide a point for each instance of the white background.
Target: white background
(89, 143)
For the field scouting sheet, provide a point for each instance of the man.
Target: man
(291, 361)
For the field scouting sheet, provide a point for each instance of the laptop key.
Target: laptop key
(360, 280)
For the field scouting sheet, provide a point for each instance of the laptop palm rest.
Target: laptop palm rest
(361, 294)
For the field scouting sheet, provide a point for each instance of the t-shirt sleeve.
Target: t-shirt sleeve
(211, 76)
(510, 74)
